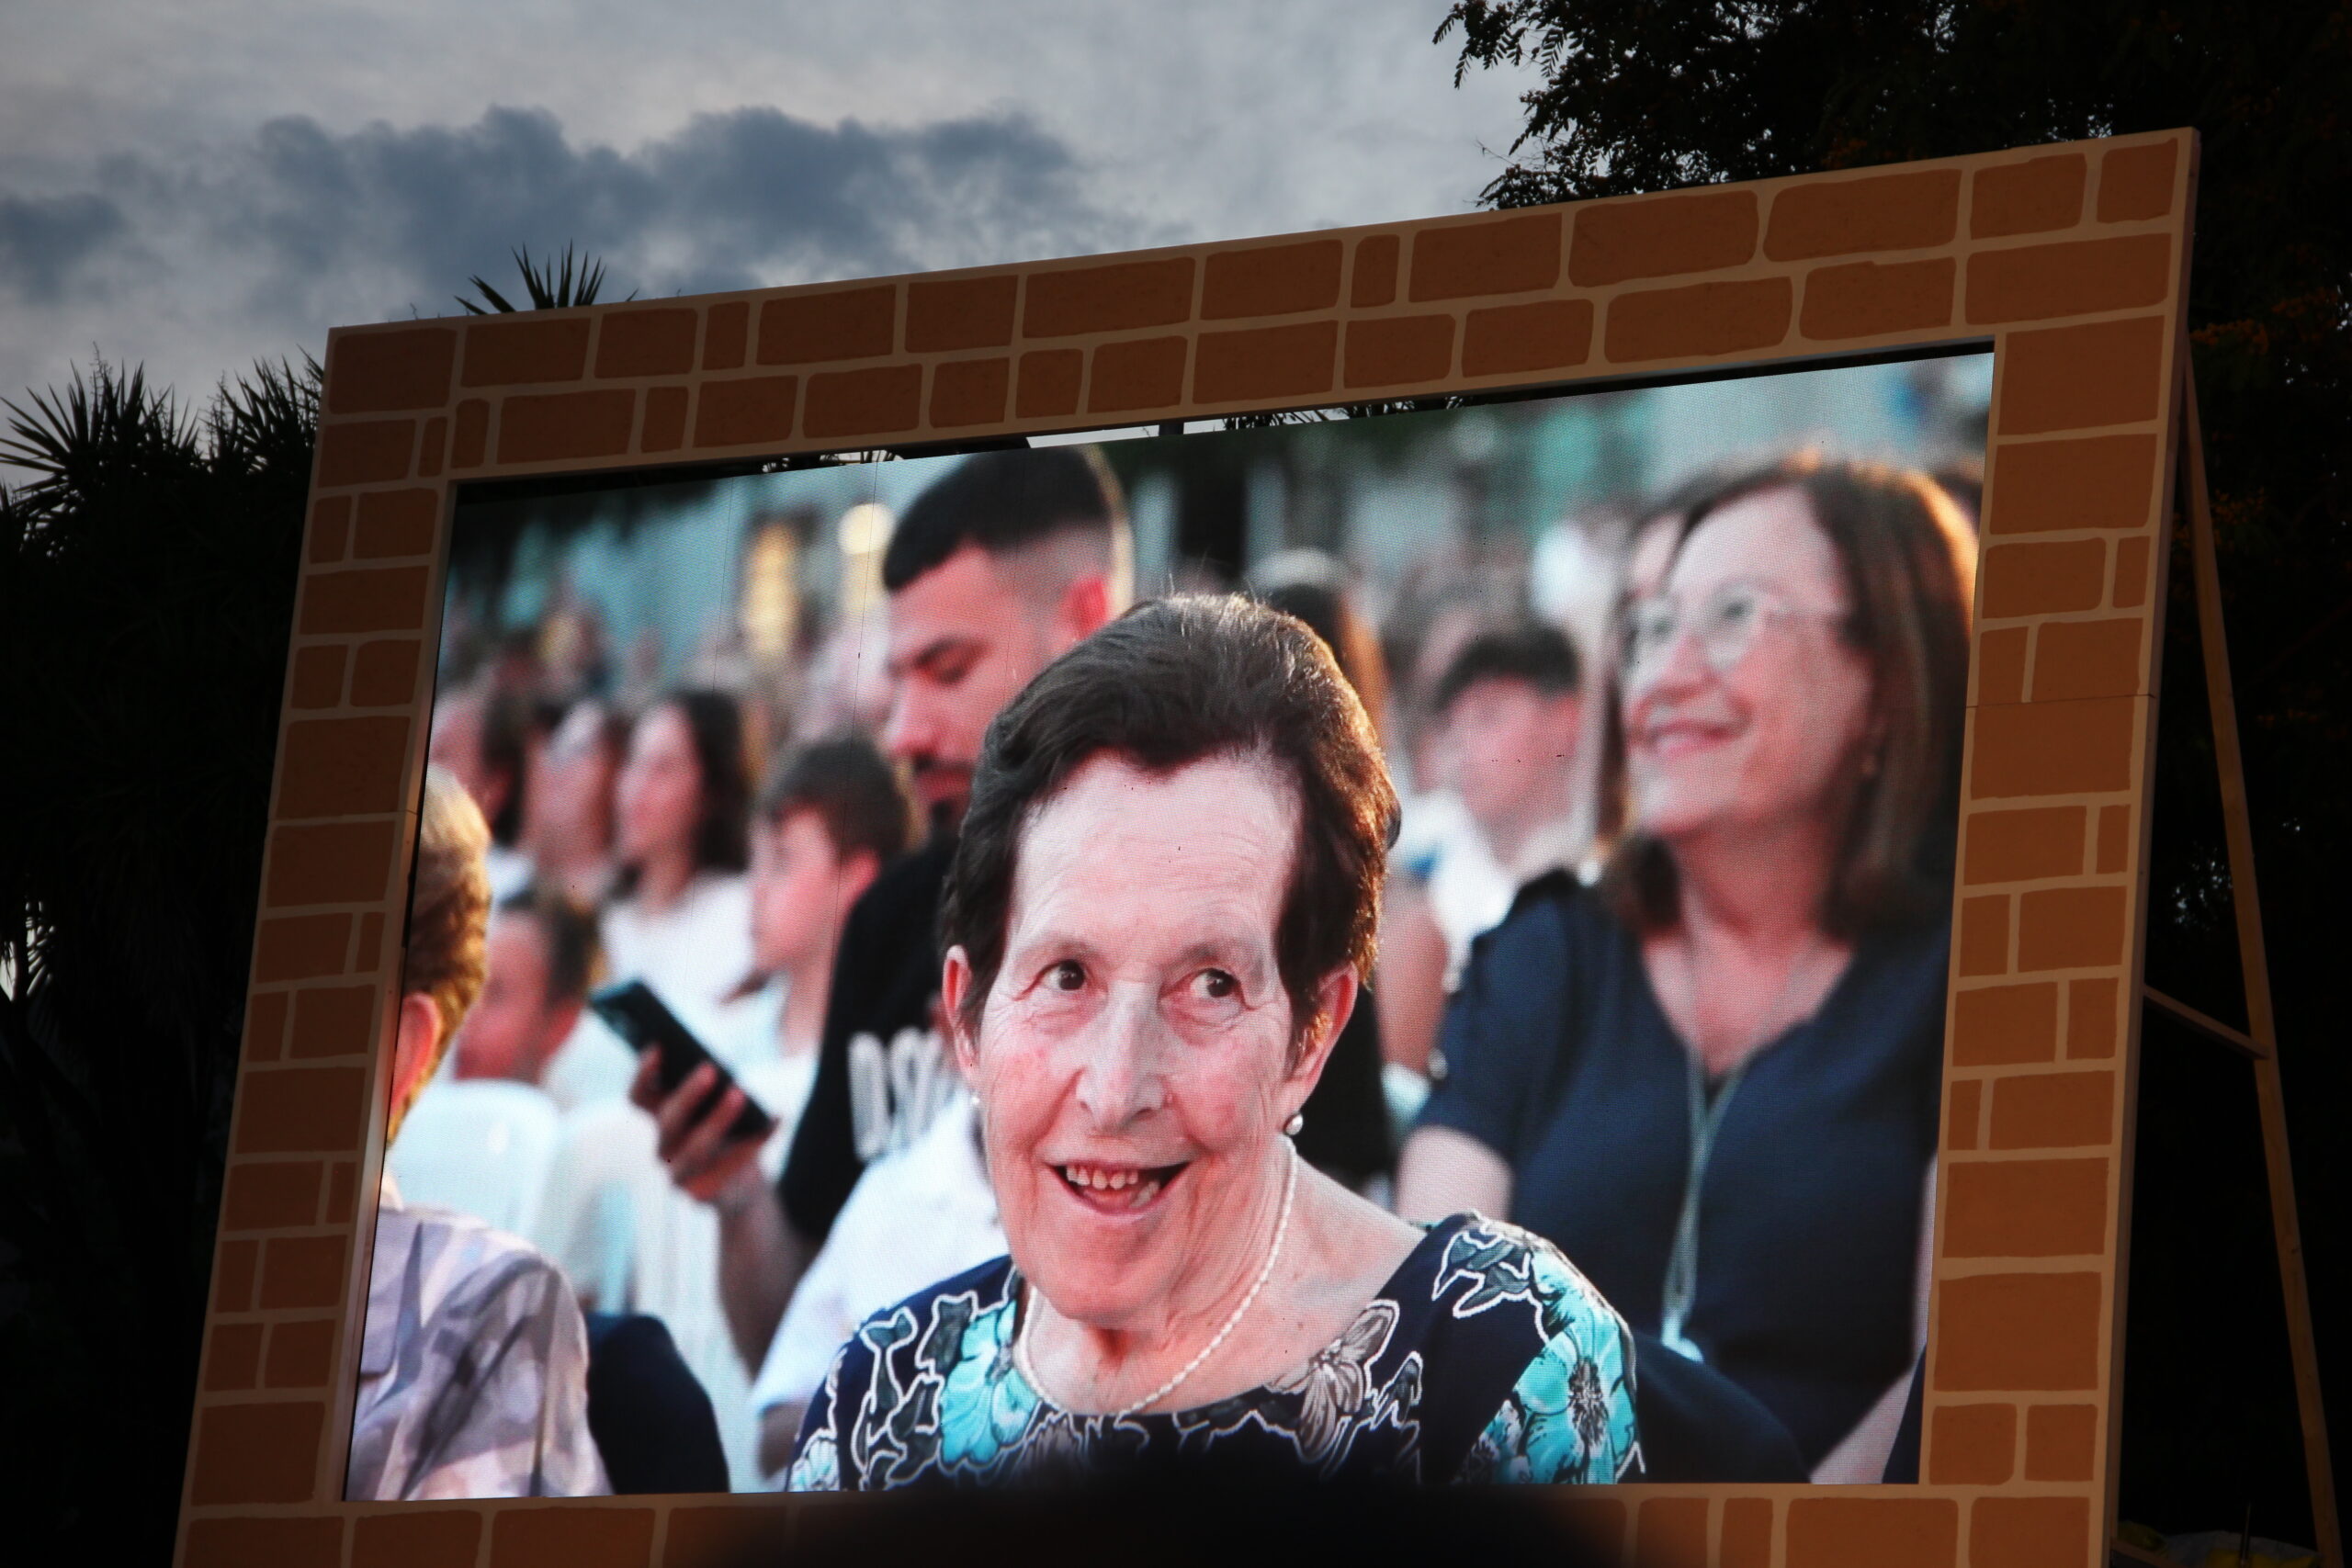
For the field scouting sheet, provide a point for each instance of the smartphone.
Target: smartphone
(632, 1011)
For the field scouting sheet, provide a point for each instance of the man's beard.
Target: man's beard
(944, 814)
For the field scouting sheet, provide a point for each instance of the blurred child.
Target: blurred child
(1506, 712)
(1511, 708)
(481, 1139)
(543, 957)
(825, 827)
(829, 822)
(482, 736)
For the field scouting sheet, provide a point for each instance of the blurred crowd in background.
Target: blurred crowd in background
(681, 717)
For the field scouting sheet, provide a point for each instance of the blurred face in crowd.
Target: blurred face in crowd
(1651, 557)
(965, 638)
(801, 890)
(571, 788)
(659, 790)
(1435, 763)
(1133, 1058)
(456, 745)
(1511, 741)
(514, 1027)
(1743, 705)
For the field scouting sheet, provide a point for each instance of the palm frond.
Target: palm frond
(267, 419)
(107, 424)
(550, 284)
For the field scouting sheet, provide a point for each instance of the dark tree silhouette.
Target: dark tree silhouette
(1633, 95)
(148, 565)
(549, 284)
(147, 573)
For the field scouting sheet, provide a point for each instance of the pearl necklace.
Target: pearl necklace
(1282, 1229)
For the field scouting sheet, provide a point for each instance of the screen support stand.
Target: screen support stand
(2259, 1040)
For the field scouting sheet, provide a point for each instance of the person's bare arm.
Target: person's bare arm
(1444, 1172)
(1409, 989)
(1860, 1455)
(761, 1257)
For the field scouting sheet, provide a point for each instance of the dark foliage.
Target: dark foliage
(1635, 96)
(549, 284)
(147, 575)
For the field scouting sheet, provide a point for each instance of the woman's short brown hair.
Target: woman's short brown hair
(1908, 555)
(1175, 681)
(448, 910)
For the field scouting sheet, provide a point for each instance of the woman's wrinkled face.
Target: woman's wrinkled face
(660, 788)
(1132, 1058)
(1754, 709)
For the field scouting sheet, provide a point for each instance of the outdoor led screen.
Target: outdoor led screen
(1738, 1005)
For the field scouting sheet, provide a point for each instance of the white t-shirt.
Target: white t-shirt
(477, 1146)
(593, 1064)
(693, 955)
(916, 1216)
(510, 872)
(631, 1242)
(1470, 890)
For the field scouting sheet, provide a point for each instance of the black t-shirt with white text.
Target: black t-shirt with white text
(882, 1070)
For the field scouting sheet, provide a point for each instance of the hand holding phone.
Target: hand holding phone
(634, 1013)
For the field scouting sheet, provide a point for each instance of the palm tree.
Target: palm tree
(547, 288)
(147, 578)
(148, 565)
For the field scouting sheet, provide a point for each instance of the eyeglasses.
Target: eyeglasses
(1725, 623)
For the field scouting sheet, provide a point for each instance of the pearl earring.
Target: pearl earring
(1294, 1126)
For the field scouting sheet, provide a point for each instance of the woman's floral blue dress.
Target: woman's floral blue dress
(1485, 1357)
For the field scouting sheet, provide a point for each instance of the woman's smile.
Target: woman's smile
(1118, 1191)
(1679, 735)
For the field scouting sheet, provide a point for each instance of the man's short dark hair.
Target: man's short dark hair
(1175, 681)
(1003, 501)
(1530, 651)
(575, 956)
(851, 790)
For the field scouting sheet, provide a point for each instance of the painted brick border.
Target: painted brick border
(2071, 260)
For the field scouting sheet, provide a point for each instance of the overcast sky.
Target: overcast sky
(192, 185)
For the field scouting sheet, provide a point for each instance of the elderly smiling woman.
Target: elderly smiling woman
(1161, 914)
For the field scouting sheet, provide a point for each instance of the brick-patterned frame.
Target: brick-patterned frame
(2069, 260)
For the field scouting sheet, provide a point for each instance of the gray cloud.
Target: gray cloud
(271, 239)
(43, 240)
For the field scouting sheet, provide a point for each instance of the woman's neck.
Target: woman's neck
(1748, 956)
(662, 878)
(1107, 1367)
(1510, 838)
(1338, 1251)
(1761, 889)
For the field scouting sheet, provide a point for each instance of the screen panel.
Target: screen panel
(2068, 259)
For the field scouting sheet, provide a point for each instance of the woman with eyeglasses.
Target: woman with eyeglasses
(1713, 1078)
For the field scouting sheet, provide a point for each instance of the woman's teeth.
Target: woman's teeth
(1137, 1187)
